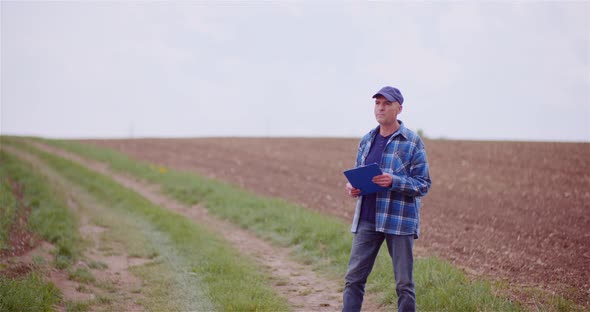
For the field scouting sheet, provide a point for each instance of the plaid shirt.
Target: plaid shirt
(404, 157)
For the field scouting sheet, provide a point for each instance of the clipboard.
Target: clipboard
(360, 178)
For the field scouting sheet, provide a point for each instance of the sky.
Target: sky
(505, 70)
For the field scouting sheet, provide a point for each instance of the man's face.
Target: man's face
(385, 111)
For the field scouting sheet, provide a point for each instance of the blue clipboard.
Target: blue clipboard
(360, 178)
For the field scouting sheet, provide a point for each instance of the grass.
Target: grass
(439, 278)
(539, 300)
(78, 306)
(233, 283)
(97, 265)
(164, 286)
(318, 239)
(81, 275)
(29, 293)
(125, 233)
(50, 217)
(8, 206)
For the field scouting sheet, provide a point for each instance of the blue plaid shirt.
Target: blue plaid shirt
(404, 157)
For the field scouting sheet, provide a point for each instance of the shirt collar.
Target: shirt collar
(403, 131)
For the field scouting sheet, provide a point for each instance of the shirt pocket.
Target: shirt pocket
(401, 163)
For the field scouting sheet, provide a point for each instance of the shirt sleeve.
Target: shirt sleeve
(417, 183)
(359, 152)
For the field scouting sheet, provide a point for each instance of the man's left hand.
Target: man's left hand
(384, 180)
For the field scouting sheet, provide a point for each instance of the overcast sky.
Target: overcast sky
(495, 70)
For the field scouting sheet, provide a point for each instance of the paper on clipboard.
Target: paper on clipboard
(360, 178)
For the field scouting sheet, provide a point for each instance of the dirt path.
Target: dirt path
(299, 284)
(115, 283)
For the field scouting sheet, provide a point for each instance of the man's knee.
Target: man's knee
(405, 289)
(355, 276)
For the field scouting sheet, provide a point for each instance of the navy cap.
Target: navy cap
(391, 94)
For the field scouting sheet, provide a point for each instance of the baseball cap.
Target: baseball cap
(391, 94)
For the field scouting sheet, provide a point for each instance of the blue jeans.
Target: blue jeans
(365, 246)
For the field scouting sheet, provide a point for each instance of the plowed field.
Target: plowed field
(518, 211)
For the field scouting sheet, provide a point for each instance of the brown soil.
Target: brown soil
(298, 283)
(20, 239)
(516, 211)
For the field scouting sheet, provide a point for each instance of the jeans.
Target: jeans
(365, 246)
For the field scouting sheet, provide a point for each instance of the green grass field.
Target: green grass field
(8, 204)
(49, 218)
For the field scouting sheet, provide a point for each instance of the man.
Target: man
(392, 216)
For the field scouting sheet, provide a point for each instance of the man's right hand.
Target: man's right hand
(351, 191)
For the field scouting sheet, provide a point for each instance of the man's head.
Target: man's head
(388, 104)
(391, 94)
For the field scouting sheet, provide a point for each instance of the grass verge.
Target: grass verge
(28, 293)
(8, 205)
(233, 283)
(50, 217)
(317, 239)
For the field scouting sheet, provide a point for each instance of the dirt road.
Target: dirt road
(512, 210)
